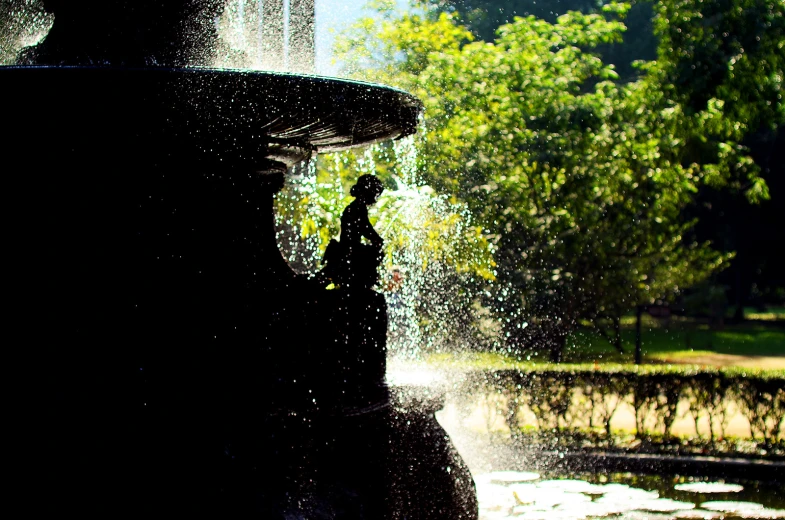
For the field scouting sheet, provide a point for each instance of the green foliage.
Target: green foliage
(557, 397)
(729, 51)
(484, 17)
(723, 62)
(682, 341)
(724, 53)
(582, 182)
(444, 233)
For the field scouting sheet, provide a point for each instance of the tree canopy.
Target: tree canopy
(484, 17)
(581, 182)
(699, 45)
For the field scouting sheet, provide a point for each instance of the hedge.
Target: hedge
(581, 397)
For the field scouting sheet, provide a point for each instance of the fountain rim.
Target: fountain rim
(264, 120)
(232, 72)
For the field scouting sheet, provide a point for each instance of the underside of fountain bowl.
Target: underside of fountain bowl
(251, 120)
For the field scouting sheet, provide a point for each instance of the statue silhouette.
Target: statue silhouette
(352, 262)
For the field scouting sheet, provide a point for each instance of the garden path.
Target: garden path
(715, 359)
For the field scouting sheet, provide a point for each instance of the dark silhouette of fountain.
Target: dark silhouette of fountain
(172, 361)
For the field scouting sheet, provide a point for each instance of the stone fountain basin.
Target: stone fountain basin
(137, 212)
(250, 119)
(162, 329)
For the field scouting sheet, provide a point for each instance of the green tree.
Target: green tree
(581, 181)
(729, 51)
(728, 58)
(484, 17)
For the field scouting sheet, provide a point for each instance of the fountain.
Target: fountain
(175, 363)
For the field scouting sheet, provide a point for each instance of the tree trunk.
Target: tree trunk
(557, 342)
(638, 353)
(617, 335)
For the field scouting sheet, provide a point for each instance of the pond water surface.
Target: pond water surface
(526, 495)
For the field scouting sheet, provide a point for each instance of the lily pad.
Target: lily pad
(520, 510)
(573, 501)
(524, 493)
(508, 477)
(597, 510)
(571, 486)
(553, 497)
(664, 505)
(493, 497)
(615, 486)
(728, 506)
(628, 495)
(762, 514)
(553, 514)
(643, 515)
(493, 515)
(698, 514)
(709, 487)
(623, 490)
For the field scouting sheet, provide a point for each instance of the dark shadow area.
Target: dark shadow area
(171, 361)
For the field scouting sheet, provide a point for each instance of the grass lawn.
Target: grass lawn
(770, 314)
(682, 338)
(756, 343)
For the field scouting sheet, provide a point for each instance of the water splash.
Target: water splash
(267, 35)
(436, 307)
(303, 208)
(429, 275)
(24, 23)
